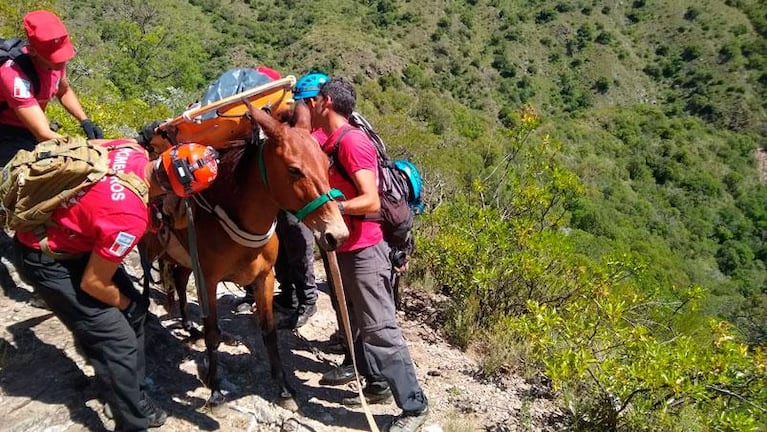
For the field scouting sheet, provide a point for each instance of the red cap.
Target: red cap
(48, 36)
(271, 73)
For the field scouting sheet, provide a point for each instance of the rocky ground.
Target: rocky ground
(45, 385)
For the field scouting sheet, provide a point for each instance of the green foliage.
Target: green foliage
(621, 347)
(12, 14)
(496, 245)
(606, 357)
(123, 118)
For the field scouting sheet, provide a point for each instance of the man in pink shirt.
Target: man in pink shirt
(363, 260)
(75, 266)
(34, 75)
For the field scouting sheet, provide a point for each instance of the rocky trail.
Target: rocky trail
(45, 385)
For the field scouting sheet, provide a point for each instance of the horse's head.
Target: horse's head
(297, 172)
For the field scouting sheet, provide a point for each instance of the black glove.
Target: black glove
(137, 309)
(398, 258)
(146, 133)
(92, 130)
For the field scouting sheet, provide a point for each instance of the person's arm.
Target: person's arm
(97, 282)
(35, 121)
(367, 201)
(69, 100)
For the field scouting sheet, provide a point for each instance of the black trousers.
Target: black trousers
(113, 345)
(294, 268)
(13, 139)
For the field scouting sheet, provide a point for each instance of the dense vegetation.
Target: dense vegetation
(595, 212)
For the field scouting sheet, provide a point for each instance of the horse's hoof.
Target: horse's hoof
(194, 333)
(288, 403)
(216, 403)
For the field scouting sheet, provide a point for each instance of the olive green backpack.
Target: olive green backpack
(35, 183)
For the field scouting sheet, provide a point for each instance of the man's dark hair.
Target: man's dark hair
(343, 95)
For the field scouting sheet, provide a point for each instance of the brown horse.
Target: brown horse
(234, 222)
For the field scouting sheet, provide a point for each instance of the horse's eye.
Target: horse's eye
(295, 172)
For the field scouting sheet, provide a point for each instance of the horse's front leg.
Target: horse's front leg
(263, 290)
(180, 280)
(212, 341)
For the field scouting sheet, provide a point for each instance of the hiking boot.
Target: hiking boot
(408, 422)
(335, 344)
(36, 301)
(284, 302)
(338, 376)
(154, 414)
(374, 394)
(304, 313)
(299, 318)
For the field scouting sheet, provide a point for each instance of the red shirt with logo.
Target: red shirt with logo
(106, 219)
(355, 152)
(16, 90)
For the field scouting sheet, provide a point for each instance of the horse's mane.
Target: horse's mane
(235, 164)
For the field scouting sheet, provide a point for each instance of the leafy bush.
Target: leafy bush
(492, 249)
(625, 351)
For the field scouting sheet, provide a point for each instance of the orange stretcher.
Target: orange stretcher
(222, 123)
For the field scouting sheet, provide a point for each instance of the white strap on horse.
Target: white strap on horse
(237, 234)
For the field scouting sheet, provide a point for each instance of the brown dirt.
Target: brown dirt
(45, 385)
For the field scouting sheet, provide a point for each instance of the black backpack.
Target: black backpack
(396, 216)
(12, 49)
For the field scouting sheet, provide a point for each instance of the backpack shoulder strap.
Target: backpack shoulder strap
(12, 49)
(334, 155)
(359, 121)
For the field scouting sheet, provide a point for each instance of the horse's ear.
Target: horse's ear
(271, 126)
(303, 117)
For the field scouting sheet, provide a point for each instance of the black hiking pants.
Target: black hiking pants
(113, 345)
(294, 268)
(13, 139)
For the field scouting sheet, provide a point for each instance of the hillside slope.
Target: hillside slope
(63, 395)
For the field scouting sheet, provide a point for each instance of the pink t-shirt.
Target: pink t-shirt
(106, 219)
(355, 152)
(320, 135)
(16, 90)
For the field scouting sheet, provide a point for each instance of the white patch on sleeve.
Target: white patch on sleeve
(22, 89)
(122, 243)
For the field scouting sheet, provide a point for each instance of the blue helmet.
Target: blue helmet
(414, 182)
(309, 85)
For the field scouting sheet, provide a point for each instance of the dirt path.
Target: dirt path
(45, 385)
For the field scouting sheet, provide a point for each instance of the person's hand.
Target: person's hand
(247, 104)
(251, 108)
(137, 309)
(147, 133)
(92, 130)
(402, 268)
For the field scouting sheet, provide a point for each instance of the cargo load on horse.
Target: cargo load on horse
(219, 119)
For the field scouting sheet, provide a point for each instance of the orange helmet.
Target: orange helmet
(187, 168)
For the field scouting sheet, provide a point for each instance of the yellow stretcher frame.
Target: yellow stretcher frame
(229, 126)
